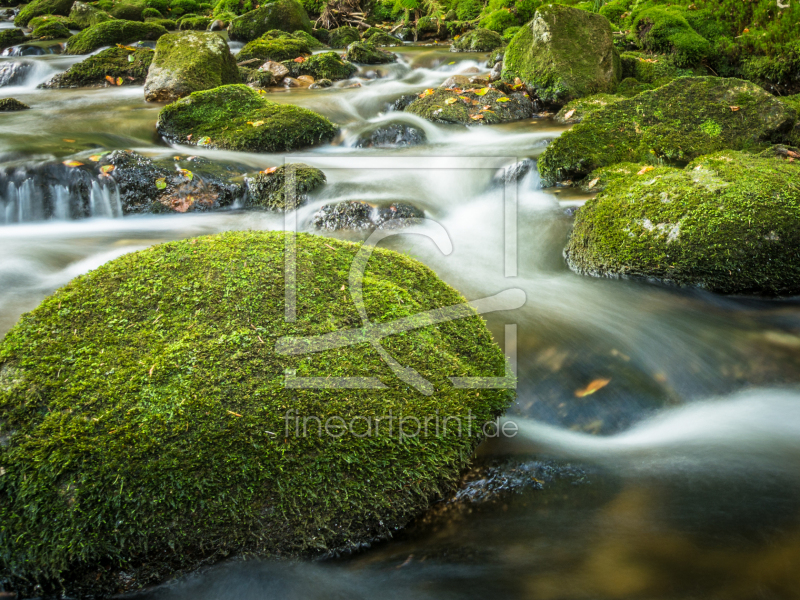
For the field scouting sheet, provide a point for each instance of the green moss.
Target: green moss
(579, 108)
(655, 69)
(478, 40)
(178, 8)
(129, 65)
(450, 106)
(675, 123)
(38, 22)
(510, 32)
(614, 10)
(499, 20)
(272, 48)
(550, 55)
(343, 37)
(12, 104)
(51, 30)
(187, 62)
(86, 15)
(285, 15)
(367, 54)
(729, 222)
(310, 41)
(151, 13)
(113, 32)
(236, 7)
(144, 408)
(42, 7)
(779, 74)
(194, 24)
(378, 38)
(630, 87)
(235, 117)
(466, 10)
(286, 188)
(11, 37)
(167, 24)
(326, 65)
(129, 10)
(665, 30)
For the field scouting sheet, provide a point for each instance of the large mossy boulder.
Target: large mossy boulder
(484, 106)
(11, 37)
(42, 7)
(50, 30)
(149, 424)
(283, 188)
(186, 62)
(285, 15)
(562, 54)
(342, 37)
(274, 45)
(125, 66)
(366, 54)
(478, 40)
(664, 29)
(576, 110)
(235, 117)
(109, 33)
(729, 222)
(325, 65)
(380, 38)
(675, 123)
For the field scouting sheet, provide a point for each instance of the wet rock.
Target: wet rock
(478, 40)
(283, 188)
(497, 71)
(564, 53)
(456, 81)
(123, 65)
(14, 73)
(356, 215)
(187, 62)
(391, 135)
(235, 117)
(402, 102)
(379, 38)
(277, 70)
(257, 78)
(12, 104)
(476, 80)
(366, 53)
(283, 15)
(514, 173)
(274, 46)
(217, 25)
(11, 37)
(321, 84)
(51, 30)
(483, 107)
(291, 82)
(325, 65)
(110, 33)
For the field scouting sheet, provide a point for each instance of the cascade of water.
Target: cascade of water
(60, 198)
(104, 200)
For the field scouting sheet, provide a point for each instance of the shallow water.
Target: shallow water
(699, 503)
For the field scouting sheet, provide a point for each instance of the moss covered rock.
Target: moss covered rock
(575, 111)
(793, 102)
(478, 40)
(235, 117)
(729, 222)
(675, 123)
(155, 388)
(283, 188)
(125, 66)
(109, 33)
(11, 37)
(168, 24)
(51, 30)
(12, 104)
(367, 54)
(194, 24)
(655, 69)
(187, 62)
(129, 10)
(38, 22)
(484, 106)
(42, 7)
(342, 37)
(563, 54)
(312, 42)
(326, 65)
(273, 47)
(380, 38)
(285, 15)
(665, 29)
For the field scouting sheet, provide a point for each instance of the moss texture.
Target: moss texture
(270, 47)
(342, 37)
(125, 66)
(51, 30)
(729, 222)
(472, 106)
(235, 117)
(286, 188)
(380, 38)
(675, 123)
(42, 7)
(67, 22)
(144, 410)
(113, 32)
(11, 37)
(187, 62)
(194, 24)
(563, 54)
(310, 41)
(12, 104)
(478, 40)
(666, 30)
(367, 54)
(285, 15)
(579, 108)
(326, 65)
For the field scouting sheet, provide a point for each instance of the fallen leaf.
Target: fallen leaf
(504, 99)
(69, 141)
(95, 157)
(644, 170)
(187, 173)
(426, 93)
(300, 59)
(256, 123)
(189, 137)
(793, 154)
(482, 92)
(593, 183)
(270, 170)
(119, 80)
(73, 163)
(597, 384)
(234, 414)
(734, 108)
(476, 117)
(151, 370)
(569, 113)
(475, 103)
(161, 183)
(451, 101)
(204, 141)
(487, 107)
(746, 30)
(111, 80)
(464, 98)
(106, 169)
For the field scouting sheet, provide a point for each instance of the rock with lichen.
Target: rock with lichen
(283, 188)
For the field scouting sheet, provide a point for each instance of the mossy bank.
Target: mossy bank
(143, 412)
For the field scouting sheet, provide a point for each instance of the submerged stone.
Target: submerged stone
(284, 15)
(283, 188)
(125, 66)
(110, 33)
(12, 104)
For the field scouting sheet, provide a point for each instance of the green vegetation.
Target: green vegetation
(343, 37)
(85, 15)
(11, 37)
(326, 65)
(125, 66)
(42, 7)
(113, 32)
(285, 15)
(310, 41)
(50, 30)
(142, 412)
(478, 40)
(285, 188)
(729, 222)
(194, 23)
(579, 108)
(274, 45)
(235, 117)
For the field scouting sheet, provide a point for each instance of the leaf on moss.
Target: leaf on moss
(451, 101)
(569, 114)
(482, 92)
(73, 163)
(644, 170)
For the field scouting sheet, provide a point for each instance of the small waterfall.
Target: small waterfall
(104, 200)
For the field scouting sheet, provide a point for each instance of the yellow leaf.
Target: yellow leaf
(482, 92)
(69, 141)
(256, 123)
(119, 80)
(95, 157)
(504, 99)
(73, 163)
(188, 174)
(270, 170)
(204, 141)
(161, 183)
(451, 101)
(107, 169)
(597, 384)
(476, 117)
(644, 170)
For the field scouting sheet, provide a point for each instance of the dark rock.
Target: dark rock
(357, 215)
(14, 73)
(402, 102)
(513, 173)
(11, 104)
(391, 135)
(270, 189)
(322, 83)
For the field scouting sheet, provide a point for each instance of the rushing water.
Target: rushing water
(690, 490)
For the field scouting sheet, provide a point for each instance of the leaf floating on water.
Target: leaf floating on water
(597, 384)
(161, 183)
(106, 169)
(451, 101)
(204, 141)
(73, 163)
(644, 170)
(482, 92)
(593, 183)
(734, 108)
(569, 114)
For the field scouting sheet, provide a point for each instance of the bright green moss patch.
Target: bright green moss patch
(235, 117)
(128, 65)
(285, 15)
(194, 24)
(274, 48)
(575, 111)
(326, 65)
(675, 123)
(456, 106)
(310, 41)
(729, 222)
(478, 40)
(143, 413)
(665, 30)
(113, 32)
(51, 30)
(379, 38)
(42, 7)
(285, 188)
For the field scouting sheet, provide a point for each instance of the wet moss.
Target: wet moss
(194, 24)
(11, 37)
(67, 22)
(366, 53)
(113, 32)
(285, 188)
(665, 30)
(580, 107)
(145, 404)
(469, 108)
(478, 40)
(167, 24)
(326, 65)
(675, 123)
(655, 69)
(342, 37)
(285, 15)
(51, 30)
(498, 20)
(12, 104)
(235, 117)
(380, 38)
(129, 10)
(128, 65)
(273, 48)
(729, 222)
(85, 15)
(310, 41)
(630, 87)
(42, 7)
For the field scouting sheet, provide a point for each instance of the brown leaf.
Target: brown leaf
(569, 114)
(593, 183)
(597, 384)
(734, 108)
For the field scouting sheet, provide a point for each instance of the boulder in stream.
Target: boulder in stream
(729, 222)
(235, 117)
(186, 62)
(284, 15)
(325, 65)
(576, 110)
(379, 38)
(274, 46)
(14, 73)
(478, 40)
(124, 66)
(675, 123)
(42, 7)
(355, 215)
(85, 15)
(173, 440)
(12, 104)
(473, 106)
(391, 135)
(283, 188)
(562, 54)
(51, 30)
(367, 54)
(343, 36)
(110, 33)
(11, 37)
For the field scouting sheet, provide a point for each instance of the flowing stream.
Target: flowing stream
(680, 478)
